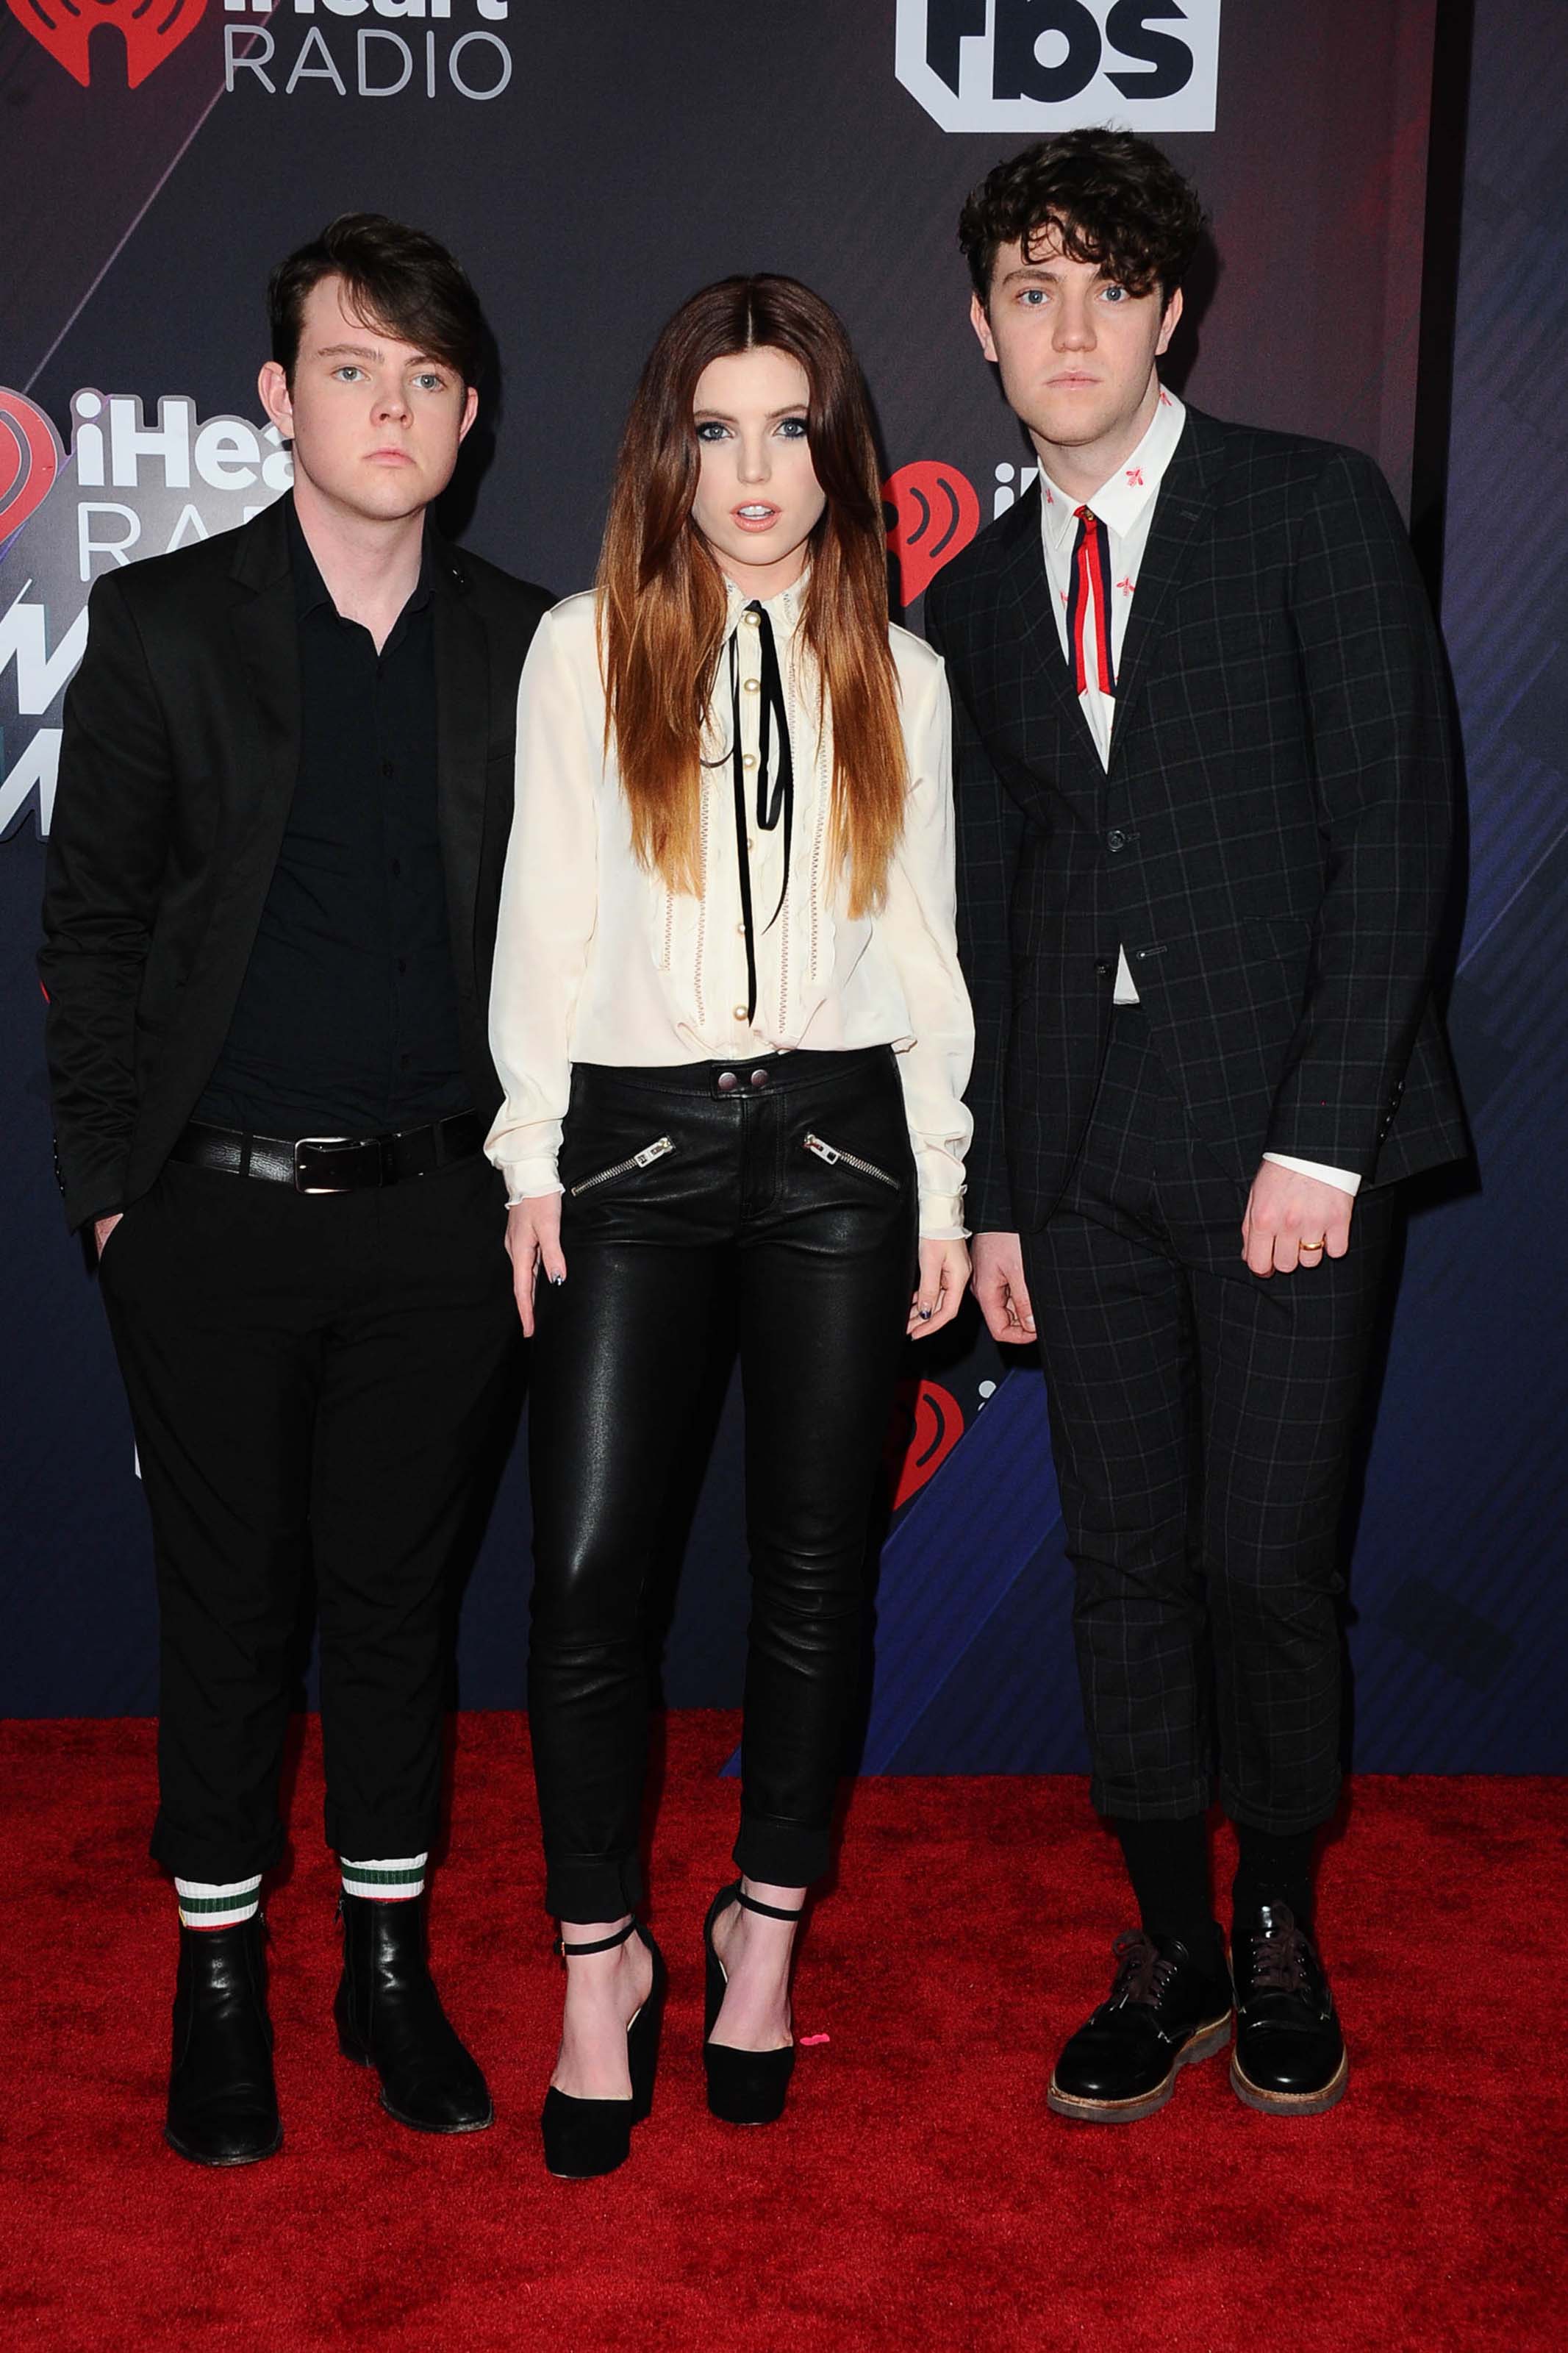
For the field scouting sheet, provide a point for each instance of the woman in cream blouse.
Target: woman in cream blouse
(729, 1018)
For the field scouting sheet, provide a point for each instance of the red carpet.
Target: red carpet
(917, 2196)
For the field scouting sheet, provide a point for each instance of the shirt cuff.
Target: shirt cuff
(1342, 1177)
(527, 1180)
(942, 1218)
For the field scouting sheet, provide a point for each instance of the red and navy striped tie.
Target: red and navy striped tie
(1088, 605)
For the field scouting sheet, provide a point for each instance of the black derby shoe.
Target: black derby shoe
(1289, 2057)
(223, 2107)
(389, 2017)
(1165, 2011)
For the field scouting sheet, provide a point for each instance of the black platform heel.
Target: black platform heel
(744, 2087)
(583, 2138)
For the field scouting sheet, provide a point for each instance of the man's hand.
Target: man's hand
(103, 1227)
(1293, 1220)
(944, 1271)
(533, 1241)
(1000, 1287)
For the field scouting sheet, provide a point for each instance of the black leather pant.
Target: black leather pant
(789, 1183)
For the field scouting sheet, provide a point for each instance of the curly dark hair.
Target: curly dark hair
(1113, 199)
(396, 279)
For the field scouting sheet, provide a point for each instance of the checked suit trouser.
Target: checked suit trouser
(1204, 1422)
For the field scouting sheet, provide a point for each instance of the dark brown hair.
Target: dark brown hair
(661, 595)
(395, 278)
(1112, 198)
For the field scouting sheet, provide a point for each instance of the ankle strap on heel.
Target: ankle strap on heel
(602, 1943)
(768, 1911)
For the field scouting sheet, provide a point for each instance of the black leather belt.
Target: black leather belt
(332, 1163)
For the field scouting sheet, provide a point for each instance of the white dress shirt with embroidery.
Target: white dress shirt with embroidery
(598, 961)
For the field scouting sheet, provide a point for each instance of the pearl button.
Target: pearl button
(740, 931)
(747, 760)
(752, 620)
(751, 844)
(739, 1012)
(751, 685)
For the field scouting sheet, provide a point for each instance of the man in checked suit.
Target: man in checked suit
(1204, 796)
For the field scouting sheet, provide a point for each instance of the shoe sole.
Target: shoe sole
(415, 2123)
(1290, 2104)
(217, 2163)
(1201, 2045)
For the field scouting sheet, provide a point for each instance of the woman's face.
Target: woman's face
(758, 497)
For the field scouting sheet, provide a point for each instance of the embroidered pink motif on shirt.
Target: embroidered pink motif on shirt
(1165, 400)
(1127, 586)
(1135, 477)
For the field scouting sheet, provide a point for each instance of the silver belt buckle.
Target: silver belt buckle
(341, 1142)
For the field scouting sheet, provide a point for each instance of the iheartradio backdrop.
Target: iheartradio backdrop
(591, 167)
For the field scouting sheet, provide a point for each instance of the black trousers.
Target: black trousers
(1204, 1421)
(683, 1185)
(311, 1378)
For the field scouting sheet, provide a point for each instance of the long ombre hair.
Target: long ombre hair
(662, 603)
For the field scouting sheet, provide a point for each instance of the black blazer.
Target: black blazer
(177, 767)
(1270, 840)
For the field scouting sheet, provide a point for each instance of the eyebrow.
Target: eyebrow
(373, 351)
(722, 416)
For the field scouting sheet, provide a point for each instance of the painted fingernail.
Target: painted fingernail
(558, 1280)
(925, 1314)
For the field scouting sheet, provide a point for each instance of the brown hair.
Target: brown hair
(395, 278)
(662, 604)
(1112, 198)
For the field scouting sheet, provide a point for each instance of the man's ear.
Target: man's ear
(470, 410)
(1169, 322)
(980, 320)
(273, 387)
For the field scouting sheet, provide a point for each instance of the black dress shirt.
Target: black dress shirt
(347, 1020)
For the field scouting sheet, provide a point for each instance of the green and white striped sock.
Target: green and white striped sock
(217, 1903)
(392, 1880)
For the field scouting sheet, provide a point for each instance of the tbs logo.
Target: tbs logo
(1055, 65)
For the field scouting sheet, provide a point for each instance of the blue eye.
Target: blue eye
(792, 428)
(711, 431)
(1033, 297)
(1117, 294)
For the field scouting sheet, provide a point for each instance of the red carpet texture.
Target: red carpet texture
(918, 2194)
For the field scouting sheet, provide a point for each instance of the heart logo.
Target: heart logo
(935, 515)
(64, 27)
(927, 1422)
(31, 455)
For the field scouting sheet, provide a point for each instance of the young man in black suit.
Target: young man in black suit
(284, 800)
(1204, 804)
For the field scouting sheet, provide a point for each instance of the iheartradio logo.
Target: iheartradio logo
(927, 1422)
(31, 455)
(936, 513)
(64, 27)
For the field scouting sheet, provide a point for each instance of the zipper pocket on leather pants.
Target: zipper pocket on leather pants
(643, 1159)
(851, 1160)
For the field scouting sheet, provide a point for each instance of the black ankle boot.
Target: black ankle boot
(223, 2107)
(389, 2017)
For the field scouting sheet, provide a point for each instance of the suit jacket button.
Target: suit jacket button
(1102, 971)
(1116, 838)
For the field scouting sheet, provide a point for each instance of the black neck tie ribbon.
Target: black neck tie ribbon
(775, 779)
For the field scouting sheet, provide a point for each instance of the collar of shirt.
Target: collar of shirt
(1121, 500)
(784, 610)
(311, 591)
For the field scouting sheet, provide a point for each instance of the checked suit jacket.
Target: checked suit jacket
(1270, 840)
